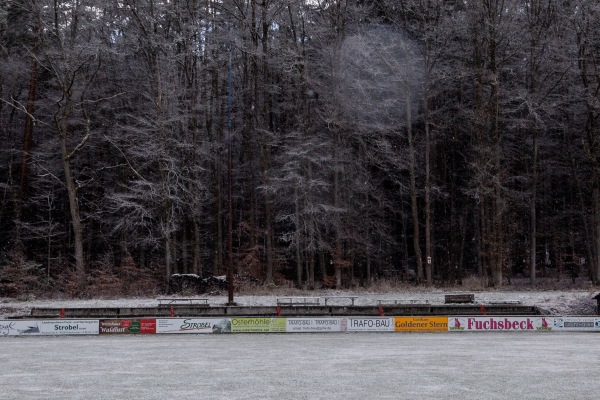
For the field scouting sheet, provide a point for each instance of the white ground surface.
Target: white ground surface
(304, 366)
(551, 302)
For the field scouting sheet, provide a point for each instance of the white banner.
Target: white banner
(69, 327)
(384, 324)
(499, 323)
(49, 327)
(577, 324)
(193, 325)
(316, 324)
(16, 328)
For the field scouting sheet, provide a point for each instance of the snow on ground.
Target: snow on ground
(353, 366)
(550, 302)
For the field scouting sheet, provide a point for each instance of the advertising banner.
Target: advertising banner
(49, 327)
(316, 324)
(577, 324)
(256, 325)
(383, 324)
(69, 327)
(16, 328)
(499, 323)
(421, 324)
(193, 325)
(127, 326)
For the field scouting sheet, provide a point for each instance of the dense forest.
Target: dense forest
(311, 142)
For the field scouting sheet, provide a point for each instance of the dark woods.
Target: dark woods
(321, 143)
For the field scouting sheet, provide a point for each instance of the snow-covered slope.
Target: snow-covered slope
(551, 302)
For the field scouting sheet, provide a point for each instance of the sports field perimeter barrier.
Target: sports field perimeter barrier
(143, 326)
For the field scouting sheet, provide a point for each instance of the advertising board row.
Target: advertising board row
(295, 325)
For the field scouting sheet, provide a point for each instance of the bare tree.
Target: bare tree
(587, 34)
(381, 87)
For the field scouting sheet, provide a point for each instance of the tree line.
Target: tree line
(320, 142)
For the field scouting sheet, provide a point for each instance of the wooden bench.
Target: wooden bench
(351, 298)
(298, 301)
(400, 302)
(182, 302)
(459, 298)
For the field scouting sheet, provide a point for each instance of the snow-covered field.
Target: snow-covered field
(551, 302)
(357, 366)
(490, 365)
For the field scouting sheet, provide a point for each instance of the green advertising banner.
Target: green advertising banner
(262, 325)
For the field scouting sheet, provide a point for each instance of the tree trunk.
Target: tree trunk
(368, 272)
(269, 241)
(197, 266)
(311, 271)
(168, 256)
(533, 212)
(62, 127)
(217, 184)
(597, 215)
(323, 265)
(298, 252)
(428, 256)
(27, 144)
(337, 254)
(185, 267)
(413, 189)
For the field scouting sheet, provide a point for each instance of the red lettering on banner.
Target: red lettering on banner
(529, 324)
(499, 324)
